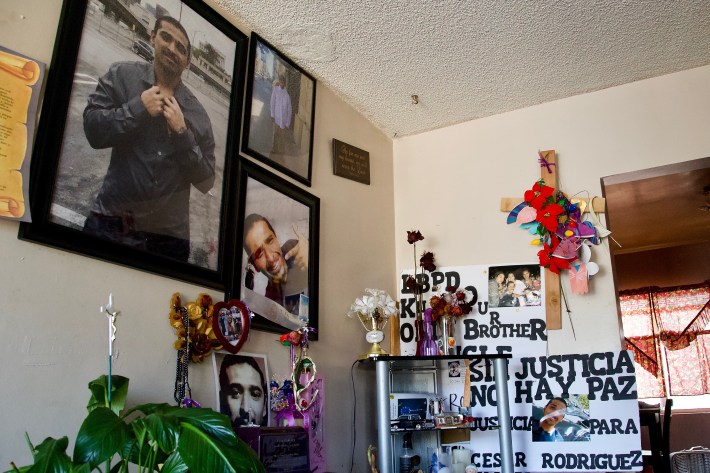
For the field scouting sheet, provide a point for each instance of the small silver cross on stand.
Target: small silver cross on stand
(111, 314)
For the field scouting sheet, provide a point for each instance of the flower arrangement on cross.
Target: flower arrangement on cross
(426, 263)
(561, 228)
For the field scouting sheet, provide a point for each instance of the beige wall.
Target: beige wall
(448, 182)
(52, 337)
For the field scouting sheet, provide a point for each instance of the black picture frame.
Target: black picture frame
(289, 211)
(279, 138)
(91, 36)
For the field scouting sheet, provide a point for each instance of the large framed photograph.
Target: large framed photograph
(279, 112)
(137, 143)
(276, 270)
(242, 388)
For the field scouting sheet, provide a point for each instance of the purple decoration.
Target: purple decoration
(428, 345)
(187, 402)
(544, 163)
(587, 230)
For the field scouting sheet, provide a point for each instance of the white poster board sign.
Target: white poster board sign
(568, 413)
(493, 326)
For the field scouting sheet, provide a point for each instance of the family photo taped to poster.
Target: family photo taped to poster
(514, 286)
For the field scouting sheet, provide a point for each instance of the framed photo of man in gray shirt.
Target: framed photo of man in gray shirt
(139, 120)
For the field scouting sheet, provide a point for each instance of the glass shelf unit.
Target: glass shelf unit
(420, 374)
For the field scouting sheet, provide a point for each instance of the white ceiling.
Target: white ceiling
(471, 59)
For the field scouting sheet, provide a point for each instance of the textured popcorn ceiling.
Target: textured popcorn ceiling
(471, 59)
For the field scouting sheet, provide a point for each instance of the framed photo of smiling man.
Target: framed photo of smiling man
(137, 133)
(276, 273)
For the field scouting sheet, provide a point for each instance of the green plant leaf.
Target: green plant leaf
(174, 464)
(50, 456)
(83, 468)
(150, 408)
(21, 469)
(99, 390)
(165, 430)
(100, 436)
(203, 453)
(214, 423)
(120, 467)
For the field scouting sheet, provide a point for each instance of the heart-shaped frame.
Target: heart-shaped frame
(230, 322)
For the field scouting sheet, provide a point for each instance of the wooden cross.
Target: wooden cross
(548, 173)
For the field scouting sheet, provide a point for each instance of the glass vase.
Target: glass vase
(418, 336)
(447, 335)
(427, 346)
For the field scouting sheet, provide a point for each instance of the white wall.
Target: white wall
(52, 337)
(448, 182)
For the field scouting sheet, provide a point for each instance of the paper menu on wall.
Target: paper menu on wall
(20, 82)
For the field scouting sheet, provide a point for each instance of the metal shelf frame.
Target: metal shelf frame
(383, 366)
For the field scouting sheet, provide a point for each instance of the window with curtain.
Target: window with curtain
(667, 329)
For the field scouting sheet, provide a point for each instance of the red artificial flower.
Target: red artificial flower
(427, 261)
(200, 347)
(414, 286)
(205, 300)
(537, 196)
(549, 261)
(294, 337)
(414, 236)
(548, 216)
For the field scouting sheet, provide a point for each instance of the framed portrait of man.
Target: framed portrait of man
(276, 271)
(279, 111)
(137, 137)
(242, 388)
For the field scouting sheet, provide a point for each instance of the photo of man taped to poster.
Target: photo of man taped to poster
(561, 419)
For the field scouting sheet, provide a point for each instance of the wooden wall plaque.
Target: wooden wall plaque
(351, 162)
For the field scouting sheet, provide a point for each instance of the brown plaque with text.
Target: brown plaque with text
(351, 162)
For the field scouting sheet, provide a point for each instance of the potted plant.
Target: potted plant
(154, 437)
